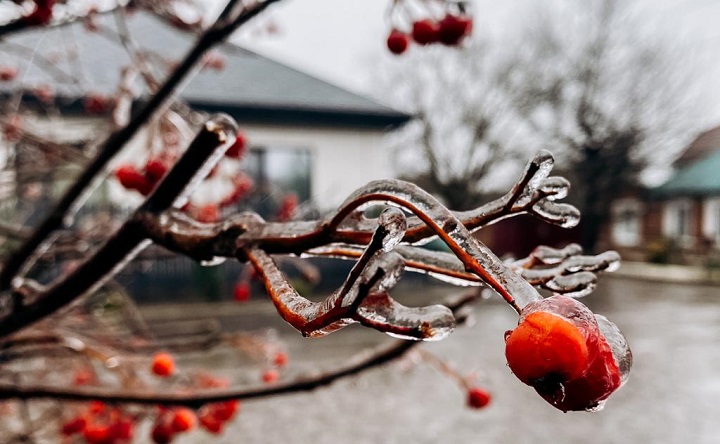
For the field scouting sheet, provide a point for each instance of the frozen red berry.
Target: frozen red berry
(560, 349)
(397, 41)
(97, 433)
(280, 359)
(478, 398)
(163, 364)
(241, 293)
(425, 31)
(73, 426)
(8, 73)
(162, 433)
(96, 104)
(183, 419)
(237, 149)
(454, 28)
(155, 169)
(208, 214)
(209, 422)
(270, 376)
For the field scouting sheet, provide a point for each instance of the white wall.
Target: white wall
(342, 159)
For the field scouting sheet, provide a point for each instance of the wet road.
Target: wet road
(673, 394)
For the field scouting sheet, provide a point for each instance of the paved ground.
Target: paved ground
(672, 396)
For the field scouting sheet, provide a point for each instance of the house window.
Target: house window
(276, 172)
(711, 219)
(677, 221)
(626, 222)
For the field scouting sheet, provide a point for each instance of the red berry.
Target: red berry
(237, 149)
(559, 349)
(95, 104)
(96, 433)
(155, 170)
(163, 364)
(280, 359)
(270, 376)
(42, 14)
(397, 42)
(183, 419)
(478, 398)
(96, 407)
(73, 426)
(241, 293)
(425, 32)
(84, 377)
(132, 179)
(8, 73)
(454, 28)
(224, 411)
(162, 433)
(208, 214)
(210, 423)
(122, 429)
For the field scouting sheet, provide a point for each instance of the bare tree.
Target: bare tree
(466, 140)
(597, 82)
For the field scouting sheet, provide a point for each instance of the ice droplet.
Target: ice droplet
(619, 346)
(555, 187)
(598, 407)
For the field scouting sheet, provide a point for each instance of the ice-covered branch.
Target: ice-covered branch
(209, 145)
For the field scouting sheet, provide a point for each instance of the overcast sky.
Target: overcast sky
(341, 40)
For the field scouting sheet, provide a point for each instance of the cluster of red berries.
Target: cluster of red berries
(559, 349)
(146, 179)
(100, 424)
(451, 30)
(143, 181)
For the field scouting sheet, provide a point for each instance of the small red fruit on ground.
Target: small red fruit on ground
(183, 419)
(163, 364)
(425, 32)
(478, 398)
(397, 42)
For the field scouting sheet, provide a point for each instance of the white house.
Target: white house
(306, 134)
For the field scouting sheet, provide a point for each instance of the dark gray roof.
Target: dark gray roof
(251, 86)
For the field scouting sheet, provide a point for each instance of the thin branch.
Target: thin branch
(357, 364)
